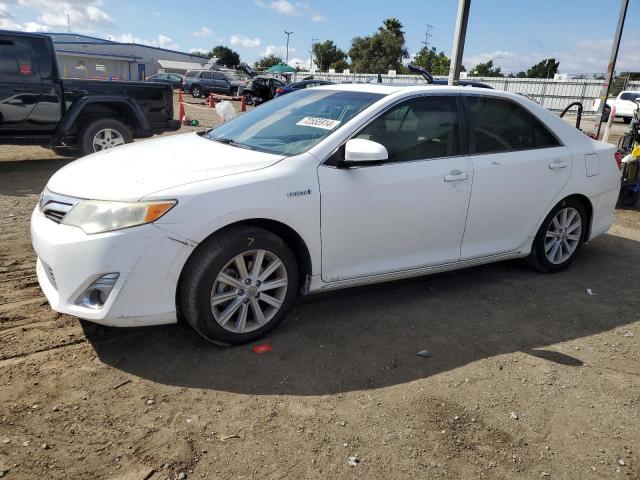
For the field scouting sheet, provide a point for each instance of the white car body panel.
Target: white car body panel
(359, 225)
(624, 108)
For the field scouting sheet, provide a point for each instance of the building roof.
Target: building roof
(111, 56)
(77, 39)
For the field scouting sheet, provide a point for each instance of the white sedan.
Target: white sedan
(320, 189)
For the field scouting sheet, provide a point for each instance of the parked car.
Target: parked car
(201, 83)
(37, 107)
(173, 79)
(325, 188)
(292, 87)
(260, 89)
(624, 104)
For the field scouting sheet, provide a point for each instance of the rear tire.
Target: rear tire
(559, 238)
(228, 293)
(103, 134)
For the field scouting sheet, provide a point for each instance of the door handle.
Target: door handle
(456, 176)
(558, 164)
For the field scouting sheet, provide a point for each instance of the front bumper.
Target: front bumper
(147, 258)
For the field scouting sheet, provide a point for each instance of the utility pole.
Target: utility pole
(287, 34)
(458, 41)
(427, 36)
(68, 23)
(606, 87)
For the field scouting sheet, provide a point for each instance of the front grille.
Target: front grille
(55, 206)
(49, 271)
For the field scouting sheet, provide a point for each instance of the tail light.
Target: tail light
(279, 90)
(618, 157)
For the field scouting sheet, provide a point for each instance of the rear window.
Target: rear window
(499, 125)
(629, 95)
(16, 60)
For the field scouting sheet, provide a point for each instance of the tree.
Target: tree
(547, 68)
(434, 63)
(486, 70)
(327, 53)
(268, 61)
(225, 56)
(521, 75)
(382, 51)
(340, 66)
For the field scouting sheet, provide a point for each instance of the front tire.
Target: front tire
(560, 237)
(103, 134)
(196, 91)
(238, 285)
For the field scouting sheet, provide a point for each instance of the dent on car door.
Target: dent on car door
(519, 169)
(408, 212)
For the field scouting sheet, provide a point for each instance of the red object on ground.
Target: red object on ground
(262, 348)
(243, 106)
(180, 106)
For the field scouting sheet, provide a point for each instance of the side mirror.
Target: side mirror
(360, 152)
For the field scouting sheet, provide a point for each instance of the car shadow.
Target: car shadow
(369, 337)
(28, 177)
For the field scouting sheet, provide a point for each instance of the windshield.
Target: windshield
(293, 123)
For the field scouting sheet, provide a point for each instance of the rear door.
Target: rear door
(220, 84)
(519, 168)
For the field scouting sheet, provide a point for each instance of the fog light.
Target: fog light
(96, 294)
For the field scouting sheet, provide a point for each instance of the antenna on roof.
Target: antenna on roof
(68, 23)
(427, 36)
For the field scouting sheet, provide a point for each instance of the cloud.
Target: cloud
(203, 32)
(279, 51)
(161, 41)
(281, 6)
(582, 56)
(244, 41)
(303, 63)
(292, 9)
(6, 24)
(4, 11)
(81, 15)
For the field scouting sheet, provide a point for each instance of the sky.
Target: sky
(514, 33)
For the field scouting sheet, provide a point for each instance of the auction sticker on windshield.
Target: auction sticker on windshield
(324, 123)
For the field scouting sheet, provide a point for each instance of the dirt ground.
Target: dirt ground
(527, 376)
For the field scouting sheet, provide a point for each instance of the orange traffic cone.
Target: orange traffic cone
(211, 101)
(181, 113)
(243, 105)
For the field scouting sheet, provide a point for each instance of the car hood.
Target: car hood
(133, 171)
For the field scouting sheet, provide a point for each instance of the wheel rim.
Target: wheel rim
(196, 92)
(563, 235)
(107, 138)
(249, 291)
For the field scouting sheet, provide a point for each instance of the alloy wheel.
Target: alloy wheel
(107, 138)
(249, 291)
(563, 235)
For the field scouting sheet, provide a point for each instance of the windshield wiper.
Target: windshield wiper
(233, 143)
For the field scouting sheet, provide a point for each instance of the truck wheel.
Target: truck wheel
(196, 92)
(103, 134)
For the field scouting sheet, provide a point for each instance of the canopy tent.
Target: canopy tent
(280, 68)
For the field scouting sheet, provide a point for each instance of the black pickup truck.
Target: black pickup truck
(37, 107)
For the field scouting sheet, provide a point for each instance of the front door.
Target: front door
(408, 212)
(519, 169)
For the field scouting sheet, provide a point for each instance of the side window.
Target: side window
(418, 129)
(206, 75)
(499, 125)
(218, 76)
(16, 60)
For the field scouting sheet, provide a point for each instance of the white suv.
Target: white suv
(320, 189)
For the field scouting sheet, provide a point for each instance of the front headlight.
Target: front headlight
(97, 216)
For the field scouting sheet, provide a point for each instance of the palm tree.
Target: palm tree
(393, 26)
